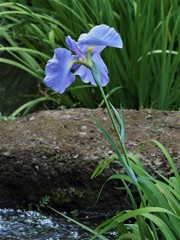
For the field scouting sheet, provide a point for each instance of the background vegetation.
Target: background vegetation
(143, 74)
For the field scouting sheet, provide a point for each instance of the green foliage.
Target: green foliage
(30, 105)
(159, 209)
(5, 118)
(158, 215)
(64, 196)
(143, 74)
(75, 213)
(43, 202)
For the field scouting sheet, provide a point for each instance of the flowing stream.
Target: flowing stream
(33, 225)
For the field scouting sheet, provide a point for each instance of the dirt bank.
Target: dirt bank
(55, 152)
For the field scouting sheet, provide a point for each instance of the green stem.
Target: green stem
(114, 124)
(81, 62)
(126, 164)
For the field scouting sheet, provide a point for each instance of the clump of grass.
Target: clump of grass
(144, 74)
(6, 118)
(158, 215)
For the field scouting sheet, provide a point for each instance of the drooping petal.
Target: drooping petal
(72, 45)
(101, 66)
(58, 70)
(100, 36)
(86, 75)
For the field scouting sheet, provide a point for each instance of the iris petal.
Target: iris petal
(58, 70)
(101, 66)
(72, 44)
(100, 36)
(86, 74)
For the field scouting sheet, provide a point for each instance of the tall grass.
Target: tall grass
(157, 216)
(144, 74)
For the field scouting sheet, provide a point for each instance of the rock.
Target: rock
(54, 153)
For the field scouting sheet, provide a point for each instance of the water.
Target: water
(33, 225)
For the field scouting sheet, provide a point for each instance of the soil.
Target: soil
(54, 153)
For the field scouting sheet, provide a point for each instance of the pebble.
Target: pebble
(32, 118)
(82, 133)
(83, 128)
(6, 154)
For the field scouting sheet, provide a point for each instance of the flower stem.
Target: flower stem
(125, 162)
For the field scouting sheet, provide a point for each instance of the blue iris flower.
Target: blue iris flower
(63, 67)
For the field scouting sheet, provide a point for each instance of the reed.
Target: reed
(143, 75)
